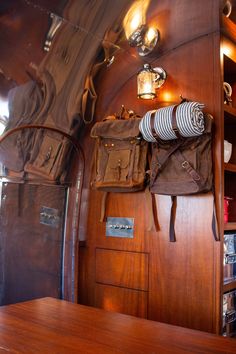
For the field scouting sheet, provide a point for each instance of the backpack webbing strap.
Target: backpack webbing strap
(172, 219)
(152, 208)
(158, 164)
(188, 168)
(152, 120)
(103, 207)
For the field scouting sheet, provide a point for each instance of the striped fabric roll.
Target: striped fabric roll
(189, 119)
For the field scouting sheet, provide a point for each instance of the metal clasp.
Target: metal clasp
(185, 164)
(56, 23)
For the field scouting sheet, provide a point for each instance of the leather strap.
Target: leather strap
(152, 120)
(152, 209)
(172, 219)
(162, 159)
(188, 168)
(157, 164)
(174, 122)
(154, 212)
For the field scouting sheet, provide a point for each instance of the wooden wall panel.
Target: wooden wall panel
(128, 301)
(114, 268)
(128, 205)
(184, 277)
(182, 274)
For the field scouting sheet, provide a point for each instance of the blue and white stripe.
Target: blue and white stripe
(189, 119)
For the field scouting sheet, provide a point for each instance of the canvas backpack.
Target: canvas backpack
(183, 165)
(63, 93)
(120, 155)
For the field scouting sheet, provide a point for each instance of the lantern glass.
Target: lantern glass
(146, 83)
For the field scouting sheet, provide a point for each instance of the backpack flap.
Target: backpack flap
(121, 155)
(183, 166)
(116, 129)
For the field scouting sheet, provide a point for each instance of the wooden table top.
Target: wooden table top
(54, 326)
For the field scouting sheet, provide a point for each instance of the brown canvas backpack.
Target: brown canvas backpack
(181, 166)
(120, 154)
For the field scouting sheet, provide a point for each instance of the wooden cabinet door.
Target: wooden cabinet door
(31, 246)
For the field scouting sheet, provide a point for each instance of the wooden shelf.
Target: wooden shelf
(229, 286)
(230, 226)
(230, 110)
(228, 28)
(230, 167)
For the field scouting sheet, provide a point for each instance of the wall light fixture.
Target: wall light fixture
(148, 80)
(136, 30)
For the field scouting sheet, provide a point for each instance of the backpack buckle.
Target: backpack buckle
(185, 164)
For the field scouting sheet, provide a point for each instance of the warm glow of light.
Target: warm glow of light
(150, 35)
(135, 16)
(226, 50)
(148, 96)
(147, 87)
(167, 96)
(108, 304)
(135, 22)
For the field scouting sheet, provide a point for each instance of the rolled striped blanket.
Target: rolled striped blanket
(189, 119)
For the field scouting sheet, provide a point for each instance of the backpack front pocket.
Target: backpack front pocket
(117, 168)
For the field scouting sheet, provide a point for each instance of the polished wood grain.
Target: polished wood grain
(228, 28)
(184, 279)
(230, 110)
(230, 226)
(30, 256)
(229, 286)
(113, 267)
(54, 326)
(230, 167)
(123, 300)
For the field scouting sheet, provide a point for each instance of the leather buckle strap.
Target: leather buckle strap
(194, 175)
(152, 120)
(174, 122)
(188, 168)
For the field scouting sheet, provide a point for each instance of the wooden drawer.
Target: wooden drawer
(120, 268)
(123, 300)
